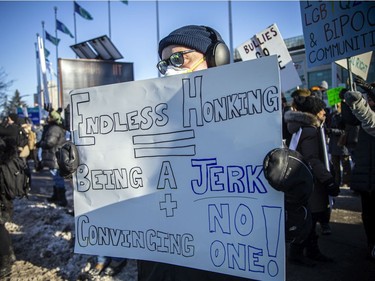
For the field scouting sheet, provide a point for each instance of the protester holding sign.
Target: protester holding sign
(309, 117)
(357, 111)
(189, 48)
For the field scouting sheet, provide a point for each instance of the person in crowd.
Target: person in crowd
(9, 128)
(38, 129)
(309, 115)
(360, 107)
(357, 111)
(8, 149)
(53, 137)
(340, 155)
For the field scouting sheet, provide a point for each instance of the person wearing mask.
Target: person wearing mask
(357, 111)
(309, 116)
(187, 49)
(52, 138)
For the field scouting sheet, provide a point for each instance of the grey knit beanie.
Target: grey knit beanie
(197, 37)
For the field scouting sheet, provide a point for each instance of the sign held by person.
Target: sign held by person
(171, 170)
(359, 65)
(334, 30)
(270, 42)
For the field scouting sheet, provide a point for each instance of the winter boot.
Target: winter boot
(54, 197)
(61, 198)
(313, 252)
(7, 256)
(296, 256)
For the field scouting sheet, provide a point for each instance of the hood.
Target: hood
(298, 119)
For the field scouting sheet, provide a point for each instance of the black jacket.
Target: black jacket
(363, 174)
(311, 147)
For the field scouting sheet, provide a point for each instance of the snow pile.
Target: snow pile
(43, 240)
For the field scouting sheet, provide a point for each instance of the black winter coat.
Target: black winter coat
(363, 174)
(53, 138)
(311, 147)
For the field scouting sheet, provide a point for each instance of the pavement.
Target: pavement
(346, 245)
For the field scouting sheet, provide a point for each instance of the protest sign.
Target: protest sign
(333, 95)
(270, 42)
(359, 65)
(334, 30)
(171, 170)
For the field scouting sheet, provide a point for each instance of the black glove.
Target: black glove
(328, 131)
(363, 84)
(352, 97)
(342, 93)
(368, 88)
(332, 188)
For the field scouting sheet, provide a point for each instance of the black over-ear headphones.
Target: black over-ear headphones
(218, 52)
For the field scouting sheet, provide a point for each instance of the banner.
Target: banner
(334, 30)
(269, 42)
(43, 69)
(171, 170)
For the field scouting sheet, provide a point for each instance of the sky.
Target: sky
(133, 30)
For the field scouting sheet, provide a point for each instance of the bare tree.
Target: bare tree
(4, 86)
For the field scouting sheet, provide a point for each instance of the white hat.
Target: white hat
(324, 85)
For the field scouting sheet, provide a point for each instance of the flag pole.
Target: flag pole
(109, 18)
(75, 26)
(57, 63)
(38, 87)
(230, 30)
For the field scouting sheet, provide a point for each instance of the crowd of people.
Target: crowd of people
(338, 143)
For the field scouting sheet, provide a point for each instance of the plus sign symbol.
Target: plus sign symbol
(168, 205)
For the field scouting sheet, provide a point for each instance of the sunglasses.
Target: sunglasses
(176, 59)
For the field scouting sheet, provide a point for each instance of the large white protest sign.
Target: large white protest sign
(171, 170)
(334, 30)
(359, 65)
(270, 42)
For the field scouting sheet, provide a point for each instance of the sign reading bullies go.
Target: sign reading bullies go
(171, 170)
(335, 30)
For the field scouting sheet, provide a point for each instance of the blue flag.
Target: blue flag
(55, 41)
(62, 27)
(82, 12)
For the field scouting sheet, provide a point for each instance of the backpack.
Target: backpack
(15, 182)
(67, 158)
(22, 138)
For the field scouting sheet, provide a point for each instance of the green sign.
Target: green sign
(333, 95)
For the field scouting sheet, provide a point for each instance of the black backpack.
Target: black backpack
(22, 138)
(286, 170)
(67, 158)
(14, 179)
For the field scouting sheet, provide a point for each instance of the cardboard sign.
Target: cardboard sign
(333, 95)
(359, 65)
(334, 30)
(270, 42)
(171, 170)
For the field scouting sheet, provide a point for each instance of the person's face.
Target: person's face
(321, 115)
(192, 60)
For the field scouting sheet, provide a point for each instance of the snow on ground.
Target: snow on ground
(43, 239)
